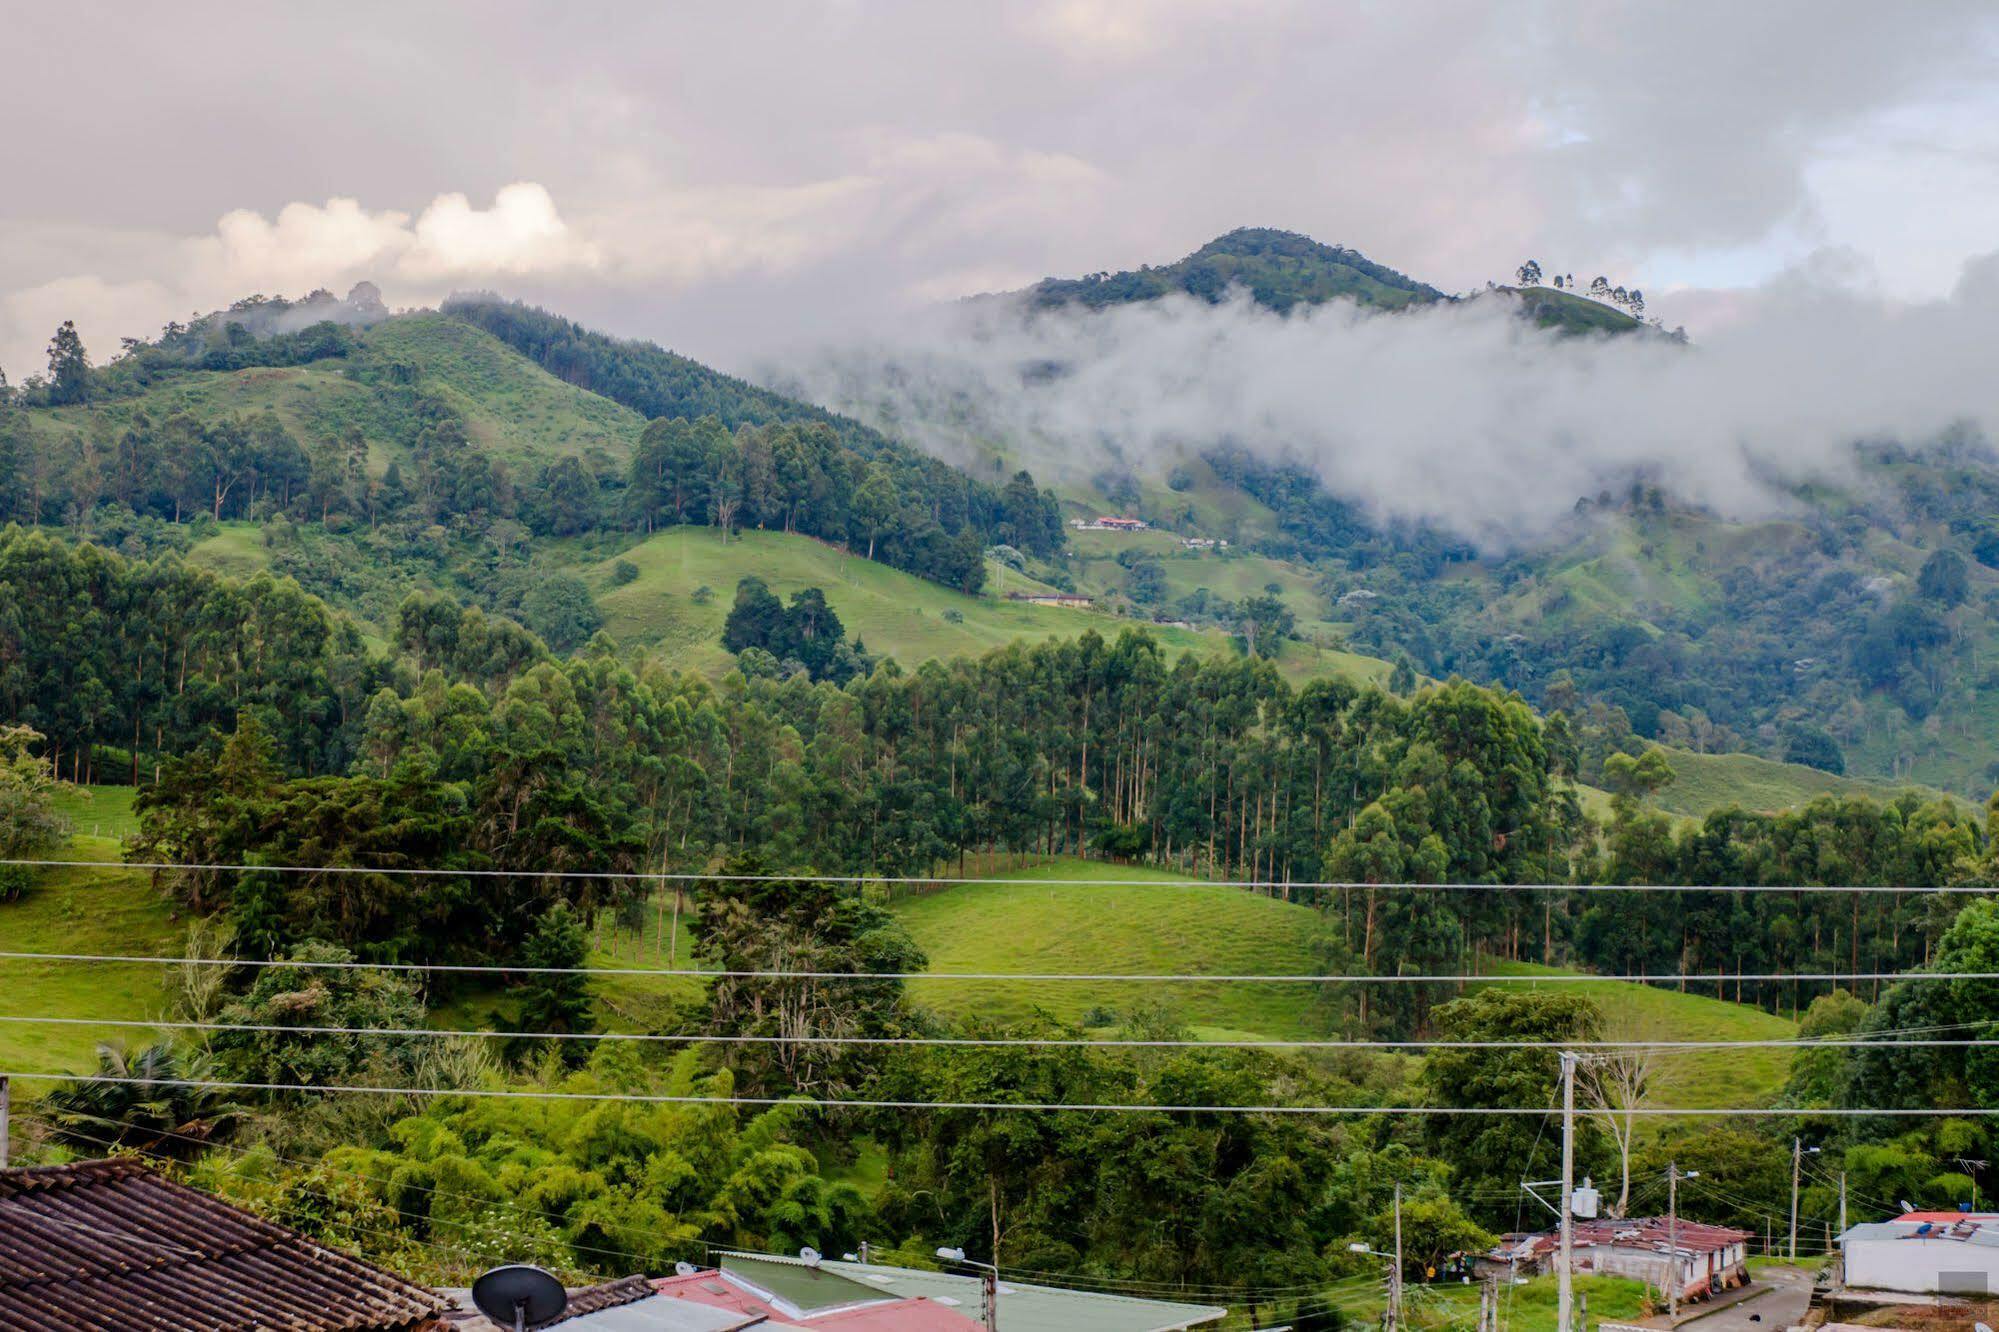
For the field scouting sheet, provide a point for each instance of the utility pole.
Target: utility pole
(4, 1093)
(1565, 1280)
(1673, 1178)
(1798, 1161)
(1395, 1272)
(1798, 1155)
(1842, 1202)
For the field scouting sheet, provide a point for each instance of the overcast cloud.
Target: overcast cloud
(731, 178)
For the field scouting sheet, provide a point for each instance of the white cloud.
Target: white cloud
(1461, 415)
(305, 245)
(521, 233)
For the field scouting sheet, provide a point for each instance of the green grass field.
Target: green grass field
(1037, 926)
(98, 812)
(1711, 781)
(233, 549)
(1650, 1012)
(892, 612)
(82, 911)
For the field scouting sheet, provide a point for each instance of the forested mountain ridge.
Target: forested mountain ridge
(1280, 269)
(428, 424)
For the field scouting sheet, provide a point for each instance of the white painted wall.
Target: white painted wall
(1919, 1265)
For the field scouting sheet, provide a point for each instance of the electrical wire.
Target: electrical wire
(1267, 978)
(693, 876)
(977, 1042)
(815, 1103)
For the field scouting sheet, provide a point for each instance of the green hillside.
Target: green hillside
(1692, 1079)
(1103, 930)
(1570, 313)
(893, 613)
(1712, 781)
(1032, 928)
(511, 407)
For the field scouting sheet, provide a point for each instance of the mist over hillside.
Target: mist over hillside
(1455, 413)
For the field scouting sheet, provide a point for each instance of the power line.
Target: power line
(984, 1042)
(1264, 978)
(945, 881)
(815, 1103)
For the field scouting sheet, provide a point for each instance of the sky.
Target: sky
(731, 180)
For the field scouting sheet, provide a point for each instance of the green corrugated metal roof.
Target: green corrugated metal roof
(810, 1289)
(1022, 1308)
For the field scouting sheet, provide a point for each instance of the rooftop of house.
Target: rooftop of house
(110, 1243)
(1022, 1307)
(1648, 1232)
(1978, 1228)
(629, 1304)
(805, 1302)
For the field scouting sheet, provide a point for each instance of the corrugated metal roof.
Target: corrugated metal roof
(859, 1308)
(110, 1245)
(1631, 1232)
(1022, 1308)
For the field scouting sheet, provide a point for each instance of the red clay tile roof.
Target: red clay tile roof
(110, 1245)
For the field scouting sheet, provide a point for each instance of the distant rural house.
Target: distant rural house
(111, 1246)
(1204, 543)
(1109, 523)
(1072, 600)
(870, 1297)
(1704, 1259)
(1925, 1253)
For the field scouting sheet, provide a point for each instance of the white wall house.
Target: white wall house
(1925, 1253)
(1704, 1259)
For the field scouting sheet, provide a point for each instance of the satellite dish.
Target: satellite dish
(809, 1255)
(1908, 1206)
(685, 1269)
(519, 1296)
(1981, 1327)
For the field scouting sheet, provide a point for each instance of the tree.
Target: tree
(1638, 778)
(69, 367)
(1814, 747)
(557, 1000)
(312, 997)
(30, 825)
(1617, 1084)
(144, 1103)
(1495, 1152)
(1529, 273)
(1944, 579)
(875, 505)
(560, 609)
(1263, 623)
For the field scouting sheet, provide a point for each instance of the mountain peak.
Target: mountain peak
(1280, 269)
